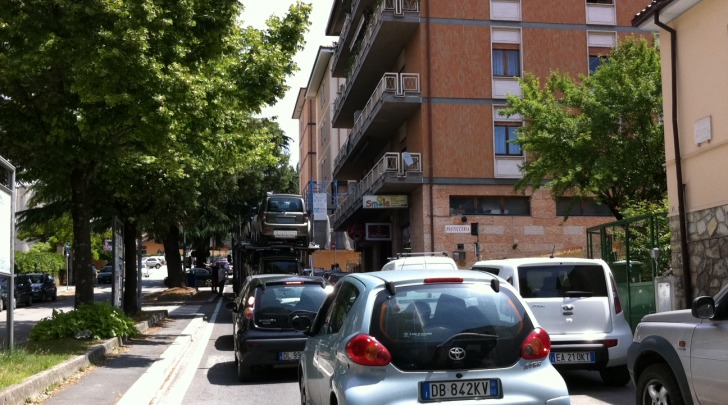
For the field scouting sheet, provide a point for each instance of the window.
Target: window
(504, 135)
(595, 61)
(599, 1)
(581, 207)
(506, 62)
(339, 309)
(515, 206)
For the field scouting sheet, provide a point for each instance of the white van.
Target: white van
(576, 301)
(414, 261)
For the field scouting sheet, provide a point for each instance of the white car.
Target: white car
(153, 262)
(414, 336)
(428, 261)
(577, 302)
(681, 357)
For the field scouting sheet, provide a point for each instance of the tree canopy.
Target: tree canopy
(100, 99)
(599, 135)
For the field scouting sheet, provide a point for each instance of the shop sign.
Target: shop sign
(384, 201)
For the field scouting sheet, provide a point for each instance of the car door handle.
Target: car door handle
(568, 309)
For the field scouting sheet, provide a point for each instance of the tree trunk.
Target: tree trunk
(176, 277)
(131, 304)
(84, 276)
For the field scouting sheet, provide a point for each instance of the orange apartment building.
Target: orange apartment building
(405, 130)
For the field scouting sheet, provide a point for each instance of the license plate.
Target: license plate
(286, 220)
(289, 356)
(284, 234)
(460, 389)
(572, 357)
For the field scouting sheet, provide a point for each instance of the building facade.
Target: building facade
(694, 55)
(427, 154)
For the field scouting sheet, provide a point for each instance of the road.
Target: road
(25, 317)
(208, 373)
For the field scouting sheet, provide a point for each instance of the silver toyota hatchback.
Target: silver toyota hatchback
(413, 337)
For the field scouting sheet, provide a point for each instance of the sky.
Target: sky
(255, 14)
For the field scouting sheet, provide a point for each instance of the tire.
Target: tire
(157, 266)
(43, 296)
(55, 295)
(1, 305)
(657, 385)
(30, 301)
(302, 389)
(615, 376)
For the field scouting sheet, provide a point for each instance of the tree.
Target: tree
(86, 84)
(599, 136)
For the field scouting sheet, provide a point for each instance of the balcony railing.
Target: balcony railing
(398, 8)
(392, 163)
(399, 84)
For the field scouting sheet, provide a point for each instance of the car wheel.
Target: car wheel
(244, 372)
(55, 295)
(30, 300)
(157, 266)
(43, 297)
(1, 305)
(615, 376)
(208, 283)
(657, 385)
(302, 388)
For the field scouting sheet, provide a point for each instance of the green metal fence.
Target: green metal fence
(631, 249)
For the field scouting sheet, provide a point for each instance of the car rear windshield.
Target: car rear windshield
(564, 280)
(275, 303)
(285, 204)
(421, 323)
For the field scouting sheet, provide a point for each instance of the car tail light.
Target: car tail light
(249, 307)
(617, 302)
(537, 345)
(293, 282)
(610, 342)
(367, 351)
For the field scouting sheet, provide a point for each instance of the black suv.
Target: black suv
(262, 313)
(43, 286)
(281, 218)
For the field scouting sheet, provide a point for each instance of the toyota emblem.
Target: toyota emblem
(456, 353)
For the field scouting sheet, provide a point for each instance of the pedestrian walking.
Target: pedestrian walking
(221, 276)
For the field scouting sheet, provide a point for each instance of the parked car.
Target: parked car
(425, 261)
(262, 314)
(153, 262)
(106, 275)
(23, 291)
(43, 286)
(426, 336)
(202, 275)
(680, 357)
(281, 218)
(576, 300)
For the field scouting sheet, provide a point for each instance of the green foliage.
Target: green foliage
(600, 135)
(101, 319)
(642, 239)
(40, 262)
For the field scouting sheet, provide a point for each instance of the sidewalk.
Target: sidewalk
(149, 359)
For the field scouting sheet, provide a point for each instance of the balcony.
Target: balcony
(395, 99)
(393, 173)
(364, 53)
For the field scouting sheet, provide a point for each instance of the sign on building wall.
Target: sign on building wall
(384, 201)
(320, 207)
(378, 231)
(457, 228)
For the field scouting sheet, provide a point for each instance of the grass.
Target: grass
(23, 362)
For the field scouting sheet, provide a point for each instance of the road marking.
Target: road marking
(175, 386)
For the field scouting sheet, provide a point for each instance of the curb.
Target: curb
(35, 385)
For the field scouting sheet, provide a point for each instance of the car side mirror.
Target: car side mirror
(703, 307)
(301, 323)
